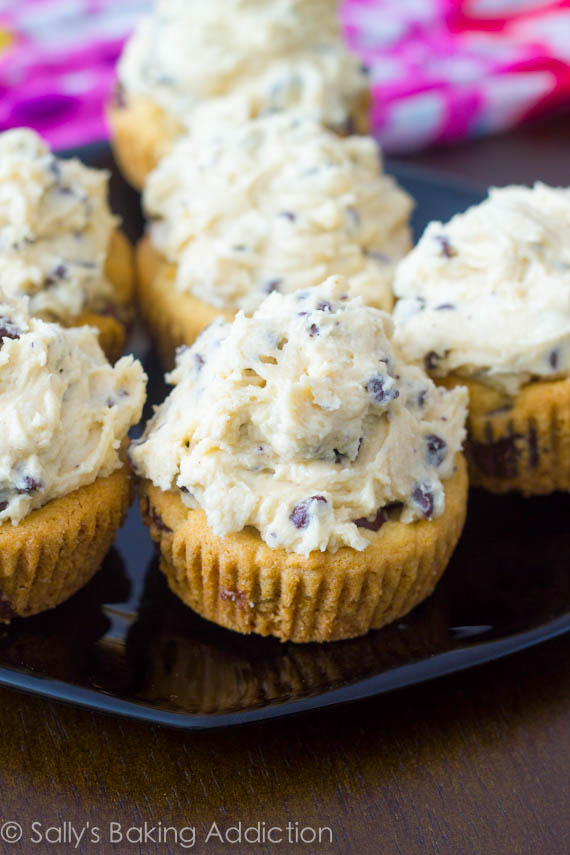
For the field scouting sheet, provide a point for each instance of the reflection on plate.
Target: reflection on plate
(125, 644)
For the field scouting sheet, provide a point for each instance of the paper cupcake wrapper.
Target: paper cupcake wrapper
(524, 443)
(241, 583)
(56, 549)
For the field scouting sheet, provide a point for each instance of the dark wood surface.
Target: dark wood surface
(475, 763)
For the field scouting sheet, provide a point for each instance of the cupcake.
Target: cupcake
(64, 487)
(483, 302)
(59, 242)
(275, 204)
(236, 59)
(301, 479)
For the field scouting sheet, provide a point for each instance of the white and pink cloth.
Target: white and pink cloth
(440, 70)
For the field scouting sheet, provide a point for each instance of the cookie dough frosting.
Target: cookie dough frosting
(304, 422)
(487, 295)
(64, 411)
(55, 226)
(266, 55)
(277, 204)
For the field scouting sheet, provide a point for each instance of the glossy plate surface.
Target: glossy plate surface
(126, 645)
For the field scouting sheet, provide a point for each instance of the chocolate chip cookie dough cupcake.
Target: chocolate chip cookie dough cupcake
(64, 489)
(59, 242)
(238, 59)
(484, 302)
(275, 204)
(301, 479)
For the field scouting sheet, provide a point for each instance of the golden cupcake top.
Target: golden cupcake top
(267, 55)
(304, 422)
(487, 295)
(64, 411)
(277, 204)
(55, 226)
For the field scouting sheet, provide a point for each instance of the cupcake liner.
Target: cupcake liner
(56, 549)
(172, 317)
(241, 583)
(520, 443)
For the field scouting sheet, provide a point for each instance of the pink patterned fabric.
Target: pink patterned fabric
(57, 64)
(446, 69)
(440, 69)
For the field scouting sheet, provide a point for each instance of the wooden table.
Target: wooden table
(475, 763)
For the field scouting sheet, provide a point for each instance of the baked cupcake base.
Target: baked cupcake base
(518, 443)
(241, 583)
(172, 317)
(55, 550)
(112, 327)
(142, 132)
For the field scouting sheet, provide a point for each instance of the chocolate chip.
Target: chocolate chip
(497, 459)
(288, 215)
(553, 359)
(423, 498)
(378, 256)
(272, 285)
(436, 449)
(444, 307)
(6, 611)
(352, 218)
(446, 248)
(375, 524)
(382, 393)
(8, 329)
(300, 516)
(239, 247)
(422, 398)
(3, 506)
(314, 330)
(199, 361)
(347, 127)
(364, 69)
(533, 452)
(30, 485)
(325, 306)
(431, 360)
(339, 457)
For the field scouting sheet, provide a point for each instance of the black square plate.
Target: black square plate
(126, 645)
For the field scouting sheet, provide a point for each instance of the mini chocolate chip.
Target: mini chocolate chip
(300, 515)
(198, 361)
(431, 360)
(446, 248)
(156, 518)
(553, 359)
(376, 387)
(239, 247)
(8, 329)
(436, 449)
(325, 306)
(347, 128)
(533, 452)
(422, 398)
(314, 330)
(378, 256)
(288, 215)
(3, 506)
(353, 217)
(497, 459)
(423, 498)
(339, 457)
(185, 489)
(64, 190)
(365, 69)
(375, 524)
(272, 285)
(30, 485)
(444, 306)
